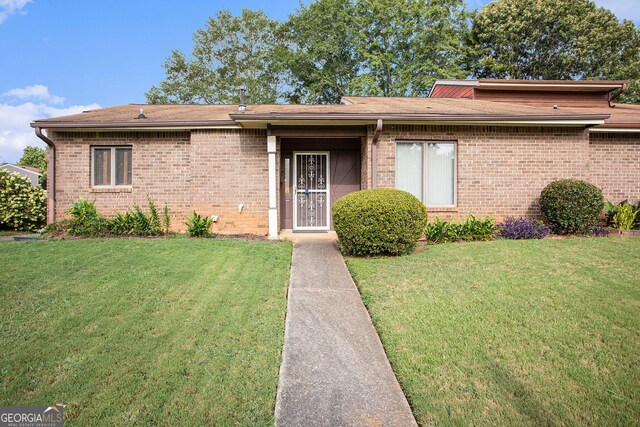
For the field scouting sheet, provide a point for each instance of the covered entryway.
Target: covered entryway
(314, 173)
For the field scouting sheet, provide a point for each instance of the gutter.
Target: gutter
(419, 117)
(212, 124)
(614, 97)
(374, 153)
(51, 172)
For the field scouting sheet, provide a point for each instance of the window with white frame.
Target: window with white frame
(427, 169)
(111, 166)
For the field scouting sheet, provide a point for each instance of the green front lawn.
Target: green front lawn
(512, 332)
(126, 331)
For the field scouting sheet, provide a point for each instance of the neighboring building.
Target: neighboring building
(262, 168)
(32, 174)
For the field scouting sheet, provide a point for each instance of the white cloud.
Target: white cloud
(624, 9)
(9, 7)
(15, 132)
(39, 92)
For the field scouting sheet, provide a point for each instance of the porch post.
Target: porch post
(273, 207)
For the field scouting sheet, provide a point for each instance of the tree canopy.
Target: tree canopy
(229, 52)
(331, 48)
(553, 39)
(35, 157)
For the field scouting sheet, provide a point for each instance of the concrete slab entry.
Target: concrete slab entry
(334, 370)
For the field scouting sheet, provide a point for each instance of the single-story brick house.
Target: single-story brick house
(486, 147)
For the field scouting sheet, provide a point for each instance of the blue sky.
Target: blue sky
(64, 56)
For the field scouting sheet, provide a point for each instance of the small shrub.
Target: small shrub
(166, 221)
(636, 224)
(86, 221)
(571, 206)
(198, 226)
(520, 228)
(22, 207)
(154, 219)
(378, 222)
(471, 229)
(623, 216)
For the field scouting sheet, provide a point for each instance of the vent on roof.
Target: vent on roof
(242, 107)
(141, 115)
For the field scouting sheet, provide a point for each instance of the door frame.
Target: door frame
(295, 155)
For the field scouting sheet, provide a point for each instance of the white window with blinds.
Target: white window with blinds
(111, 166)
(427, 169)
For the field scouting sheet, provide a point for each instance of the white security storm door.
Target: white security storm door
(311, 191)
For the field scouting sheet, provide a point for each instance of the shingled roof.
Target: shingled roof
(360, 109)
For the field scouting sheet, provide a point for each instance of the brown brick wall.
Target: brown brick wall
(615, 165)
(161, 168)
(207, 171)
(501, 170)
(231, 167)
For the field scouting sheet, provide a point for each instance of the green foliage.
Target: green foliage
(86, 221)
(154, 218)
(229, 52)
(571, 206)
(36, 157)
(22, 207)
(378, 222)
(198, 226)
(468, 230)
(554, 39)
(319, 57)
(405, 45)
(625, 216)
(166, 221)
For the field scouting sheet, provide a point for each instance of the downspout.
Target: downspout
(614, 97)
(51, 172)
(374, 153)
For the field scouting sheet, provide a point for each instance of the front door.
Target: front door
(311, 191)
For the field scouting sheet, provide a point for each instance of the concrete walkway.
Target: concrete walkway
(334, 370)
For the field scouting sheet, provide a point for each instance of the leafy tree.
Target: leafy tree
(405, 45)
(229, 52)
(553, 39)
(373, 47)
(319, 57)
(35, 157)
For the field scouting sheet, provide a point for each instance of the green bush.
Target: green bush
(85, 220)
(378, 222)
(625, 216)
(468, 230)
(571, 206)
(22, 207)
(198, 226)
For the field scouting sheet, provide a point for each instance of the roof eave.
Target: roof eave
(203, 124)
(573, 119)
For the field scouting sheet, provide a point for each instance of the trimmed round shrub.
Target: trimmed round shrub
(379, 222)
(571, 206)
(22, 207)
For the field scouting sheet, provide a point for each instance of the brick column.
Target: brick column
(273, 207)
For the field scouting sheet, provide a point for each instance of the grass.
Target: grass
(512, 332)
(129, 331)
